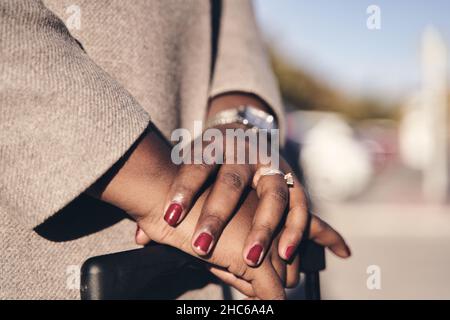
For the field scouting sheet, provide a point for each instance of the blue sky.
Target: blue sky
(330, 39)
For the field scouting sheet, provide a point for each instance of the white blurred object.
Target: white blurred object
(416, 141)
(424, 128)
(336, 165)
(434, 99)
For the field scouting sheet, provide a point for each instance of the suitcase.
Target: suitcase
(147, 273)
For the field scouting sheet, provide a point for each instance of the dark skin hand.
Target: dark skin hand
(276, 202)
(144, 177)
(138, 187)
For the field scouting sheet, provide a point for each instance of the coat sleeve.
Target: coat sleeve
(242, 63)
(63, 120)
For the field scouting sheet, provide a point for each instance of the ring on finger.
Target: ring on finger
(267, 171)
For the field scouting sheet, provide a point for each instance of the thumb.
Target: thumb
(141, 238)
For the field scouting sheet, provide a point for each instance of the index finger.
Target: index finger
(186, 185)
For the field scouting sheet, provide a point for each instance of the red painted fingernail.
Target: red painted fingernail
(289, 252)
(203, 242)
(255, 253)
(173, 214)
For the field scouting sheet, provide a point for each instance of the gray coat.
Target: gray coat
(73, 101)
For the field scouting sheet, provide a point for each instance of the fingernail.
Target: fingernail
(289, 252)
(173, 214)
(344, 252)
(203, 242)
(255, 253)
(348, 251)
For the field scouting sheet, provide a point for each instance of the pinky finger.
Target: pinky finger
(323, 234)
(141, 238)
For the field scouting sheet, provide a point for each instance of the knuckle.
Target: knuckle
(295, 234)
(238, 268)
(232, 179)
(197, 165)
(213, 220)
(203, 166)
(320, 227)
(183, 188)
(265, 227)
(302, 206)
(299, 211)
(165, 235)
(278, 194)
(298, 221)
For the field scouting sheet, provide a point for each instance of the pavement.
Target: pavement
(393, 229)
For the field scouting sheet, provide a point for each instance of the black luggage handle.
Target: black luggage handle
(133, 274)
(312, 261)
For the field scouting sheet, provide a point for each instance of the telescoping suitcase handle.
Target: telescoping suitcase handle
(312, 261)
(131, 274)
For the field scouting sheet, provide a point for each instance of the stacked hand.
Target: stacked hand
(250, 238)
(279, 218)
(278, 207)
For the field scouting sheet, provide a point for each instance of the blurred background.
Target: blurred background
(366, 88)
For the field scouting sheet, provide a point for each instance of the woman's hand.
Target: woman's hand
(288, 273)
(278, 205)
(137, 185)
(265, 282)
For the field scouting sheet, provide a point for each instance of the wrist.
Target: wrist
(233, 100)
(139, 181)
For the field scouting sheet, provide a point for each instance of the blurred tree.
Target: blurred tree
(302, 91)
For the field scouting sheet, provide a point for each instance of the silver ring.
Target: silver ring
(289, 179)
(267, 171)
